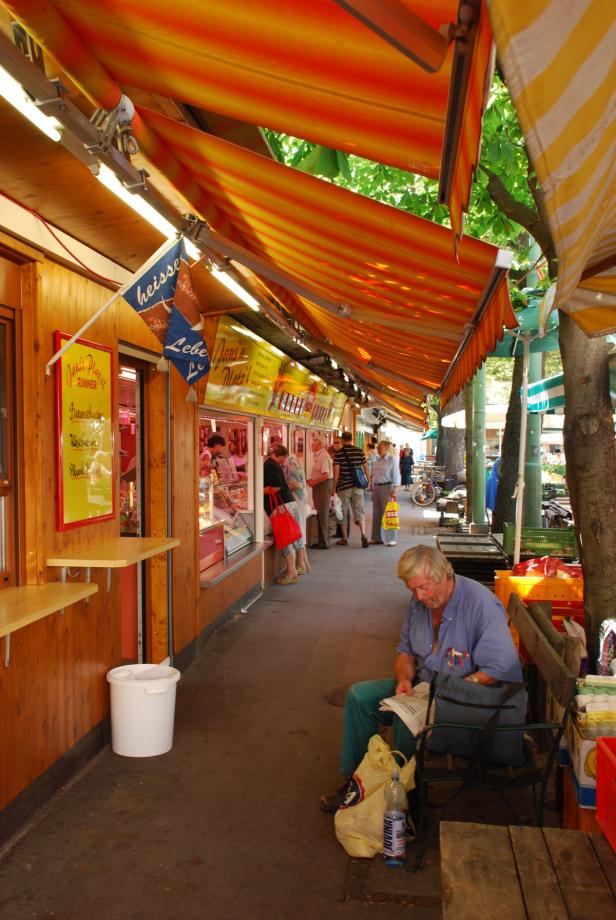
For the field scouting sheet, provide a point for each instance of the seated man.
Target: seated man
(454, 625)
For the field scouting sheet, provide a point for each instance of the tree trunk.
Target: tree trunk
(450, 449)
(590, 453)
(510, 447)
(468, 448)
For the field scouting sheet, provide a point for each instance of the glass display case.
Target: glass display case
(226, 483)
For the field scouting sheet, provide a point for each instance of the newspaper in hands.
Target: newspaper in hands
(412, 709)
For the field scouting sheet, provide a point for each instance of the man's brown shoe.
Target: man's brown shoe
(331, 803)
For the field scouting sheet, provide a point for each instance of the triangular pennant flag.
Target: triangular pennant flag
(185, 348)
(152, 291)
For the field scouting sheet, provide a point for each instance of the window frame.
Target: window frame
(8, 482)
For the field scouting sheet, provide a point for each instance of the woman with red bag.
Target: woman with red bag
(278, 501)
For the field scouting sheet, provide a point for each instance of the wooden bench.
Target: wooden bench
(525, 873)
(478, 772)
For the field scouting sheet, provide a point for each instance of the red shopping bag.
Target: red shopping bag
(284, 526)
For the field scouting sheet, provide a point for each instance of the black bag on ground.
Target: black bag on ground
(463, 701)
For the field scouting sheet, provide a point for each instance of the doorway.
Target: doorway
(132, 505)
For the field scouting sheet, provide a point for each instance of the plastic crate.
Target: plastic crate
(542, 541)
(565, 594)
(606, 788)
(537, 587)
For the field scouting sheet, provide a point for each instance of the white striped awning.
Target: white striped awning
(559, 60)
(546, 394)
(549, 394)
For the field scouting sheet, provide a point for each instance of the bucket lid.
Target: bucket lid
(143, 672)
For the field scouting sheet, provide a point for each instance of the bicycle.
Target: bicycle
(427, 490)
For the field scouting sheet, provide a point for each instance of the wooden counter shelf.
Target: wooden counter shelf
(115, 554)
(118, 553)
(26, 604)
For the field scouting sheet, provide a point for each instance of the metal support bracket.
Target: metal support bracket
(7, 650)
(63, 573)
(108, 580)
(115, 123)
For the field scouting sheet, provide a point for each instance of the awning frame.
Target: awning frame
(503, 263)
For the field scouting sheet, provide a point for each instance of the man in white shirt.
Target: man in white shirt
(321, 482)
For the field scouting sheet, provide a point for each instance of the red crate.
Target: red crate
(606, 788)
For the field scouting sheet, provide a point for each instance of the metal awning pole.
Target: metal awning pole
(80, 332)
(169, 517)
(519, 489)
(166, 245)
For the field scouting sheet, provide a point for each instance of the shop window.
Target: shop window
(7, 465)
(273, 432)
(226, 485)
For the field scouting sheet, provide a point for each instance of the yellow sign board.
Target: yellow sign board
(250, 374)
(84, 414)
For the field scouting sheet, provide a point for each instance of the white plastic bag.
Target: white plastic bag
(337, 507)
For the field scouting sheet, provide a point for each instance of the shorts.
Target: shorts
(355, 498)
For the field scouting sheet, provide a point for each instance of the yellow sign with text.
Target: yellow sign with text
(84, 391)
(250, 374)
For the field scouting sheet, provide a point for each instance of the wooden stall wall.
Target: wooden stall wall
(55, 691)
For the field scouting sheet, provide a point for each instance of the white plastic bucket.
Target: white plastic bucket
(142, 709)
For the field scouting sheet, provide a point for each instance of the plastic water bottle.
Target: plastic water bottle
(394, 821)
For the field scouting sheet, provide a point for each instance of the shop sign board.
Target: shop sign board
(84, 433)
(249, 374)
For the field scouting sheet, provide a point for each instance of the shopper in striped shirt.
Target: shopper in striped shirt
(346, 461)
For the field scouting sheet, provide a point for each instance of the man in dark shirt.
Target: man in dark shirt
(346, 460)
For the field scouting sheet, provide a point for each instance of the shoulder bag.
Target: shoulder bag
(359, 477)
(285, 528)
(481, 710)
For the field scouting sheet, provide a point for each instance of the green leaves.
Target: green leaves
(503, 153)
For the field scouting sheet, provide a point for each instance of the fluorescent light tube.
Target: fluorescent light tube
(109, 179)
(232, 285)
(15, 94)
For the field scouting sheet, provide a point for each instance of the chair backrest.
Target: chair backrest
(567, 647)
(558, 677)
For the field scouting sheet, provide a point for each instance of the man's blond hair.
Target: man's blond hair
(423, 560)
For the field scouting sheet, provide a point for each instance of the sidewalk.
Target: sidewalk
(227, 824)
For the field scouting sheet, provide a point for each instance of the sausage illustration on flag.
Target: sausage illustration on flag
(162, 294)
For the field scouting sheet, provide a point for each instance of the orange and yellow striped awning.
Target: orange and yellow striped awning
(411, 300)
(559, 60)
(308, 69)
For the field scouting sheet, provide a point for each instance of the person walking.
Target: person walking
(385, 482)
(321, 482)
(346, 461)
(406, 468)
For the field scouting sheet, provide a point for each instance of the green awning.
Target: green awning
(431, 433)
(549, 393)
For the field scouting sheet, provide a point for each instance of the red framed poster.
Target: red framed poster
(85, 462)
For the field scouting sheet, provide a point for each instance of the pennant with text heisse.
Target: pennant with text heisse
(164, 297)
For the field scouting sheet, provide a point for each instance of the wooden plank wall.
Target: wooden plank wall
(55, 690)
(220, 597)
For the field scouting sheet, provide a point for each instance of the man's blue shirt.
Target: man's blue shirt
(473, 636)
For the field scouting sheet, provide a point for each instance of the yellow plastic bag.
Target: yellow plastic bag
(391, 516)
(359, 824)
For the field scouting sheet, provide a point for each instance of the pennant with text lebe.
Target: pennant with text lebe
(162, 293)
